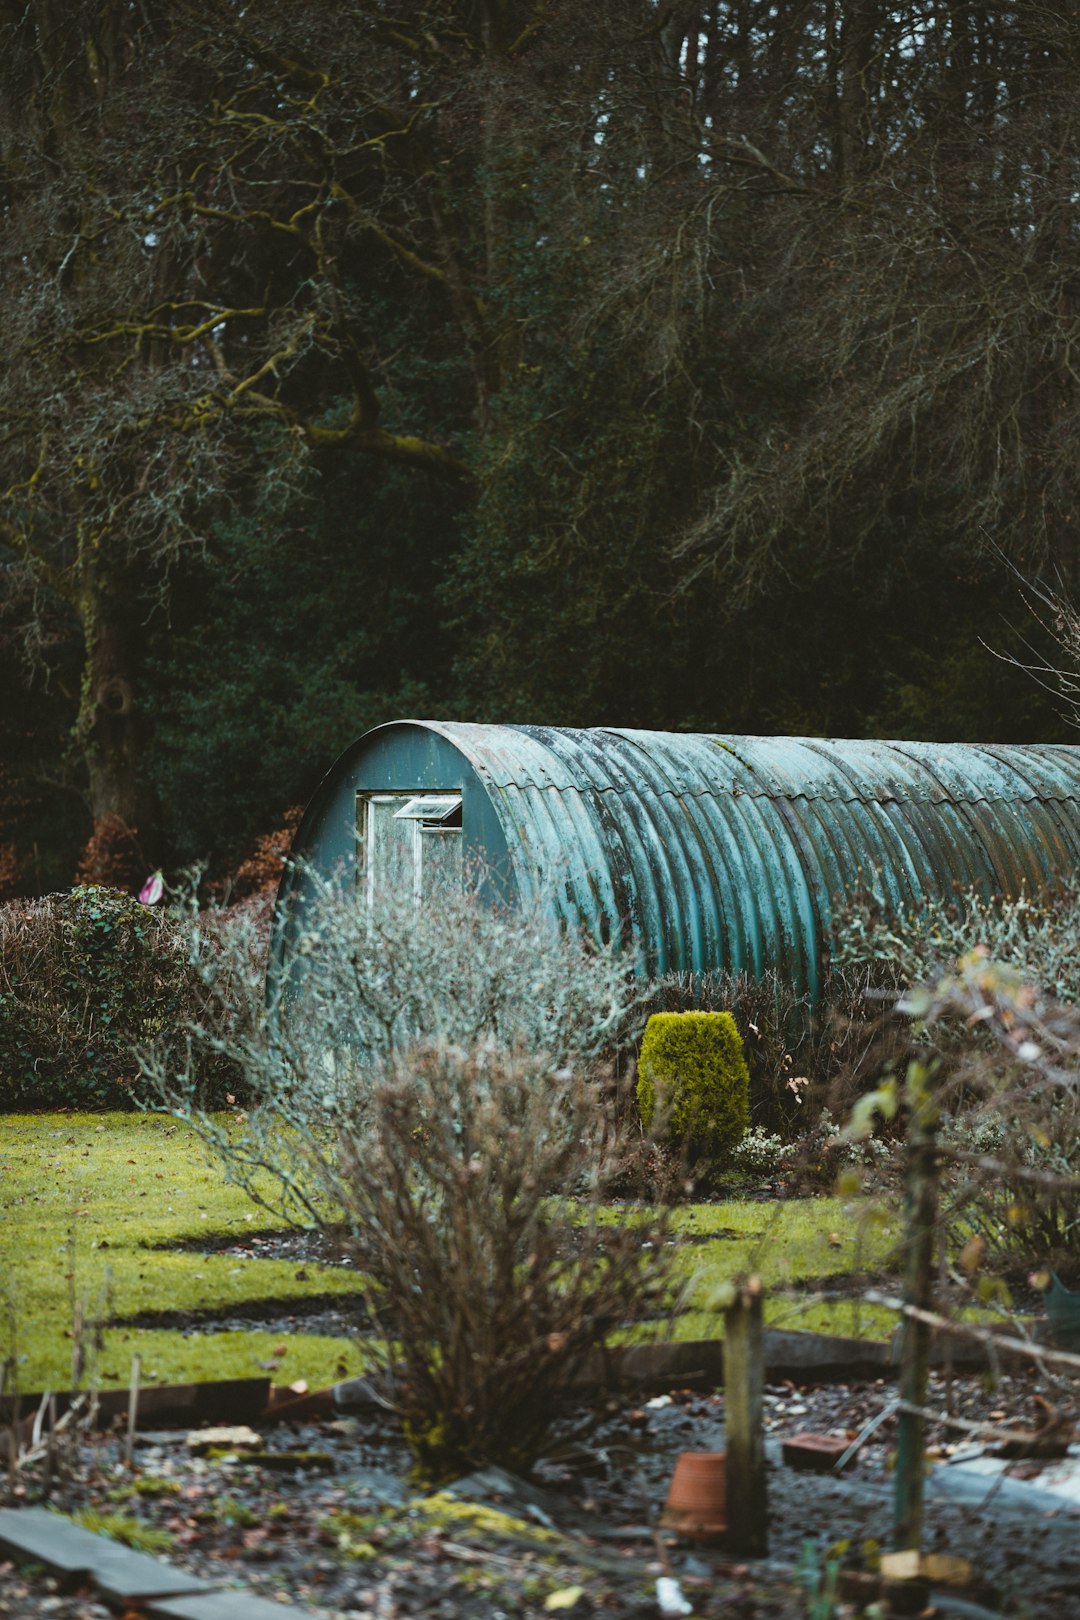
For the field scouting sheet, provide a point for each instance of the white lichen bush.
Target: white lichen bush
(433, 1081)
(1038, 935)
(991, 990)
(819, 1156)
(977, 1133)
(1017, 1181)
(458, 968)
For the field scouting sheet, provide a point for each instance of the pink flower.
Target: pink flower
(152, 890)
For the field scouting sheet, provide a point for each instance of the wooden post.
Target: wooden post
(7, 1375)
(133, 1411)
(50, 1449)
(920, 1220)
(744, 1378)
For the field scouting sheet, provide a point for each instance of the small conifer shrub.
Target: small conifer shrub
(693, 1081)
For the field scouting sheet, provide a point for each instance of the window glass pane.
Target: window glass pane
(441, 859)
(390, 849)
(430, 807)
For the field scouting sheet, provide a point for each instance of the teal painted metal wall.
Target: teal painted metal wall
(702, 852)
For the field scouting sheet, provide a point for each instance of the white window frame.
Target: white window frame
(430, 807)
(415, 810)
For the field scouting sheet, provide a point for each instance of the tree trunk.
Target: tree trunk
(109, 730)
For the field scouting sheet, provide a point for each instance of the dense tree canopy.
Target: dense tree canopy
(663, 363)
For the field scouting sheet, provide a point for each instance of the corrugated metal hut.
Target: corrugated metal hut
(700, 852)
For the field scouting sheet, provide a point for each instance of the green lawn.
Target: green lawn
(801, 1249)
(89, 1204)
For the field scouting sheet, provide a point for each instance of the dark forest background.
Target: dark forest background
(705, 366)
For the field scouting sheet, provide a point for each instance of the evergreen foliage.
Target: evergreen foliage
(693, 1080)
(293, 631)
(575, 364)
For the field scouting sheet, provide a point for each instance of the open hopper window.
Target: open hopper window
(442, 810)
(408, 843)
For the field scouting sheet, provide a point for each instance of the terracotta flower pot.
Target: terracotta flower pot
(696, 1504)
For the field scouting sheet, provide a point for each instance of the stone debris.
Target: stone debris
(818, 1453)
(227, 1437)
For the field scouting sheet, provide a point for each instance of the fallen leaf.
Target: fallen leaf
(565, 1598)
(972, 1253)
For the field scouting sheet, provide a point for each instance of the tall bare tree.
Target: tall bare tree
(728, 295)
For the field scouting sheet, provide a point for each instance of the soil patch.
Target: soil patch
(335, 1315)
(327, 1517)
(341, 1315)
(326, 1248)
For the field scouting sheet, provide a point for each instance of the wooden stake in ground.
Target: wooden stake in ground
(133, 1411)
(920, 1219)
(7, 1375)
(50, 1448)
(744, 1379)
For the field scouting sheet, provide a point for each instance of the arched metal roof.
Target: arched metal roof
(722, 851)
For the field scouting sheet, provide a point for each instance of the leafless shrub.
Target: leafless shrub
(260, 871)
(1010, 1112)
(10, 873)
(472, 1191)
(113, 855)
(434, 1078)
(971, 971)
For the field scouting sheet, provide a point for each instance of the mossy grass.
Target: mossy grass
(441, 1511)
(174, 1358)
(169, 1357)
(126, 1529)
(128, 1184)
(785, 1243)
(141, 1178)
(794, 1312)
(801, 1249)
(822, 1241)
(87, 1202)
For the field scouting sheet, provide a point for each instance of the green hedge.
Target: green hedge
(86, 978)
(693, 1080)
